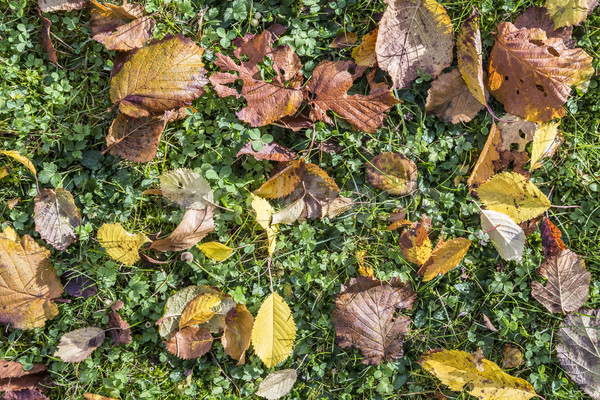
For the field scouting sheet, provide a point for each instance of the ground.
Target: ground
(60, 117)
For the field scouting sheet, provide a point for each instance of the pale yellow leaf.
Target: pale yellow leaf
(546, 140)
(121, 245)
(277, 384)
(507, 237)
(215, 250)
(290, 214)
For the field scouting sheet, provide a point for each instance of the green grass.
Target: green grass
(59, 118)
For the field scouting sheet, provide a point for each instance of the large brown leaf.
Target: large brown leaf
(267, 101)
(56, 217)
(14, 378)
(28, 282)
(537, 17)
(413, 35)
(194, 226)
(164, 75)
(365, 318)
(532, 75)
(329, 87)
(135, 139)
(578, 352)
(568, 282)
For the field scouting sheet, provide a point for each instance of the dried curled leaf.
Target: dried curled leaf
(532, 75)
(194, 226)
(468, 54)
(393, 172)
(79, 344)
(269, 151)
(507, 237)
(187, 188)
(364, 55)
(135, 139)
(121, 245)
(119, 328)
(14, 378)
(45, 39)
(444, 257)
(457, 370)
(238, 333)
(414, 35)
(56, 217)
(568, 283)
(190, 342)
(277, 384)
(552, 243)
(365, 318)
(28, 282)
(569, 12)
(164, 75)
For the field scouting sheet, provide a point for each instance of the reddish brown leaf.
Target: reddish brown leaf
(135, 139)
(14, 378)
(119, 328)
(393, 172)
(365, 318)
(269, 151)
(328, 88)
(237, 334)
(190, 343)
(552, 243)
(194, 226)
(45, 40)
(537, 17)
(343, 40)
(27, 394)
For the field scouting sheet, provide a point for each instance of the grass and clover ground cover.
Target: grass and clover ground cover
(59, 118)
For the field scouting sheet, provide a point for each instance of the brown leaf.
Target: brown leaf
(270, 151)
(468, 54)
(444, 257)
(120, 28)
(552, 244)
(119, 328)
(335, 207)
(365, 318)
(60, 5)
(135, 139)
(393, 172)
(364, 55)
(27, 394)
(79, 344)
(343, 40)
(238, 333)
(511, 357)
(537, 17)
(12, 203)
(78, 285)
(328, 88)
(477, 359)
(413, 35)
(286, 178)
(56, 217)
(45, 40)
(267, 102)
(568, 282)
(451, 99)
(164, 75)
(194, 226)
(532, 75)
(14, 378)
(190, 343)
(488, 323)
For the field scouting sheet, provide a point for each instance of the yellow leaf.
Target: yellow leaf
(456, 370)
(264, 211)
(415, 244)
(545, 142)
(215, 250)
(363, 269)
(271, 238)
(569, 12)
(512, 194)
(22, 159)
(468, 54)
(119, 244)
(3, 173)
(9, 233)
(283, 182)
(274, 331)
(364, 55)
(444, 257)
(201, 309)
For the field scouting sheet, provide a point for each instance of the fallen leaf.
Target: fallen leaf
(284, 181)
(175, 60)
(477, 359)
(511, 357)
(343, 40)
(393, 172)
(14, 378)
(215, 250)
(28, 282)
(546, 141)
(568, 283)
(512, 194)
(507, 237)
(238, 333)
(569, 12)
(79, 344)
(264, 212)
(3, 173)
(266, 102)
(190, 342)
(415, 244)
(91, 396)
(45, 39)
(119, 244)
(364, 55)
(277, 384)
(468, 54)
(12, 203)
(365, 318)
(187, 188)
(78, 285)
(135, 139)
(456, 370)
(578, 352)
(335, 207)
(537, 17)
(318, 191)
(194, 226)
(120, 28)
(414, 35)
(56, 217)
(274, 331)
(27, 394)
(119, 328)
(532, 75)
(328, 88)
(444, 257)
(60, 5)
(269, 151)
(200, 309)
(22, 159)
(290, 214)
(488, 323)
(552, 243)
(450, 99)
(363, 269)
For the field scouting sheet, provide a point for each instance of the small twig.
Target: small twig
(489, 109)
(565, 206)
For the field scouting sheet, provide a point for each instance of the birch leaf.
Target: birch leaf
(79, 344)
(121, 245)
(56, 217)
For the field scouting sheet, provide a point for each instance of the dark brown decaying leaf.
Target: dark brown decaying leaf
(270, 151)
(328, 91)
(119, 328)
(537, 17)
(450, 99)
(393, 172)
(78, 285)
(577, 349)
(56, 217)
(60, 5)
(190, 342)
(511, 357)
(27, 394)
(267, 102)
(364, 317)
(135, 139)
(46, 41)
(343, 40)
(194, 226)
(568, 283)
(552, 244)
(14, 378)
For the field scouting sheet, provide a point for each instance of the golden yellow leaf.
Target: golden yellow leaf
(364, 55)
(215, 250)
(468, 54)
(9, 233)
(512, 194)
(274, 331)
(22, 159)
(415, 244)
(363, 269)
(264, 211)
(545, 142)
(92, 396)
(119, 244)
(456, 370)
(569, 12)
(444, 257)
(284, 181)
(3, 173)
(201, 309)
